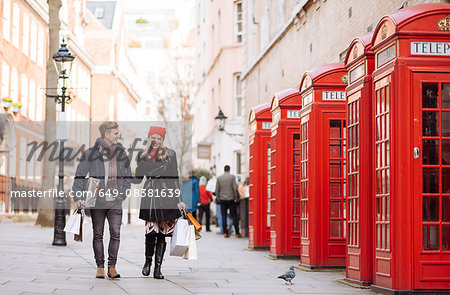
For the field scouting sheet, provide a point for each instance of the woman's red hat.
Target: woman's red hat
(157, 130)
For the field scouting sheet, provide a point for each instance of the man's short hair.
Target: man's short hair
(226, 168)
(107, 126)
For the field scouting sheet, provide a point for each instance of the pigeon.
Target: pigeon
(289, 275)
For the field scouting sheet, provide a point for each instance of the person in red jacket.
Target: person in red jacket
(205, 199)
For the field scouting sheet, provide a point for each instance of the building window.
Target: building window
(39, 105)
(40, 50)
(32, 101)
(26, 34)
(238, 94)
(7, 19)
(238, 20)
(238, 162)
(33, 41)
(5, 80)
(24, 96)
(99, 12)
(15, 25)
(14, 84)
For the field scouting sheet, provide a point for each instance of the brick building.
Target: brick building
(283, 39)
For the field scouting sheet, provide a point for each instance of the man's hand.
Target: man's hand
(79, 203)
(199, 204)
(181, 206)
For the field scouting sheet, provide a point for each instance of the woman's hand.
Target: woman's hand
(181, 206)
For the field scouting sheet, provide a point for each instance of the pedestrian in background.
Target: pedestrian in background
(243, 205)
(107, 161)
(228, 196)
(191, 193)
(159, 165)
(205, 199)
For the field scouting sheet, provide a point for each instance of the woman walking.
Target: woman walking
(161, 202)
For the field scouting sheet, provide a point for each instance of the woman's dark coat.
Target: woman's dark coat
(160, 177)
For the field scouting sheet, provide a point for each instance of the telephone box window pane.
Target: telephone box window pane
(297, 174)
(445, 92)
(430, 237)
(445, 152)
(296, 207)
(446, 209)
(335, 190)
(387, 237)
(296, 223)
(446, 180)
(296, 191)
(335, 169)
(335, 129)
(296, 158)
(335, 209)
(446, 237)
(378, 236)
(429, 95)
(335, 229)
(378, 101)
(430, 152)
(430, 209)
(446, 124)
(387, 126)
(387, 181)
(296, 141)
(387, 98)
(378, 182)
(431, 180)
(335, 148)
(378, 128)
(430, 125)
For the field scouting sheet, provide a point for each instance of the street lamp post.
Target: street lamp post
(63, 62)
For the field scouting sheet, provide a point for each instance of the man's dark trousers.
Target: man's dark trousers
(114, 217)
(224, 206)
(204, 208)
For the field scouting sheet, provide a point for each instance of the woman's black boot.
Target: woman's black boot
(149, 251)
(159, 255)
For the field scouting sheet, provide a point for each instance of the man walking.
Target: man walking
(108, 162)
(228, 196)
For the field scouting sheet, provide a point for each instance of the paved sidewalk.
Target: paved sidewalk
(29, 264)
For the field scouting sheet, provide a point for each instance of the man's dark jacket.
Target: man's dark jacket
(92, 165)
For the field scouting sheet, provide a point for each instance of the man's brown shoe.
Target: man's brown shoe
(112, 273)
(238, 236)
(226, 235)
(100, 273)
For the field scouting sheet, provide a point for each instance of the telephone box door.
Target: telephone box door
(431, 153)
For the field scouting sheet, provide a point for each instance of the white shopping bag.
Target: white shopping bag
(83, 220)
(191, 252)
(180, 238)
(73, 224)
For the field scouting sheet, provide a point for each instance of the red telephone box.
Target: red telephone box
(323, 166)
(412, 149)
(259, 176)
(360, 65)
(285, 174)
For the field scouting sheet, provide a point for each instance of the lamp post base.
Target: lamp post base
(59, 236)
